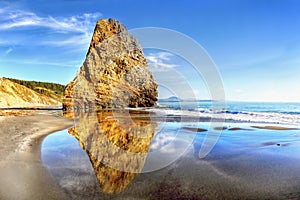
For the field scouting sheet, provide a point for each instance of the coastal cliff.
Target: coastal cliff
(13, 94)
(114, 74)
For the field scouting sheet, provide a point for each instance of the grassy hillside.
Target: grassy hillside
(52, 90)
(13, 94)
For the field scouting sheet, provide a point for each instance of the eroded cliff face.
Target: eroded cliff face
(117, 144)
(114, 73)
(15, 95)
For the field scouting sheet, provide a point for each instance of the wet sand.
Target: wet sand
(23, 175)
(239, 129)
(198, 130)
(279, 128)
(244, 164)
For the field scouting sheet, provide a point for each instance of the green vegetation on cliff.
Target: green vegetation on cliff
(53, 90)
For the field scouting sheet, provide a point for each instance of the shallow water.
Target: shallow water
(69, 164)
(244, 164)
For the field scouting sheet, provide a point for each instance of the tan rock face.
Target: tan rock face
(117, 145)
(114, 73)
(16, 95)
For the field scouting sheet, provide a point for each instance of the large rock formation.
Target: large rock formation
(114, 73)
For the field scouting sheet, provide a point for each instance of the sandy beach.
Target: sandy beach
(248, 162)
(23, 175)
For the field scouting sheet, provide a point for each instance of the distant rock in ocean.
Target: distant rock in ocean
(171, 99)
(114, 74)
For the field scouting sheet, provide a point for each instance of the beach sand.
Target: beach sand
(246, 163)
(272, 127)
(22, 173)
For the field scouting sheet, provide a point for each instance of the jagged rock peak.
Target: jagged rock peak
(114, 74)
(104, 29)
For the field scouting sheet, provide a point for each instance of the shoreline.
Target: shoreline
(21, 165)
(244, 164)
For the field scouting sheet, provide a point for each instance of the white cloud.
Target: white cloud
(10, 19)
(3, 42)
(160, 61)
(160, 140)
(18, 18)
(160, 56)
(78, 40)
(239, 91)
(196, 92)
(8, 51)
(74, 30)
(74, 64)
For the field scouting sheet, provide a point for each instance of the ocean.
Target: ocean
(255, 112)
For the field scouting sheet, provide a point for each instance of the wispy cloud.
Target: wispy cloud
(239, 91)
(3, 42)
(8, 51)
(10, 19)
(73, 30)
(74, 64)
(18, 18)
(79, 40)
(160, 61)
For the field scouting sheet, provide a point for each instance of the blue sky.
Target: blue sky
(255, 44)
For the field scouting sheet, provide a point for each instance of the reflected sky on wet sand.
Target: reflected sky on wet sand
(245, 163)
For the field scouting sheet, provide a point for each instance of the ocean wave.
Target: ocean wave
(238, 116)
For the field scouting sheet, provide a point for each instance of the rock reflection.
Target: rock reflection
(117, 143)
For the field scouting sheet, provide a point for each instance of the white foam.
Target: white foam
(255, 117)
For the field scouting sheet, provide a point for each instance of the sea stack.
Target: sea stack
(114, 74)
